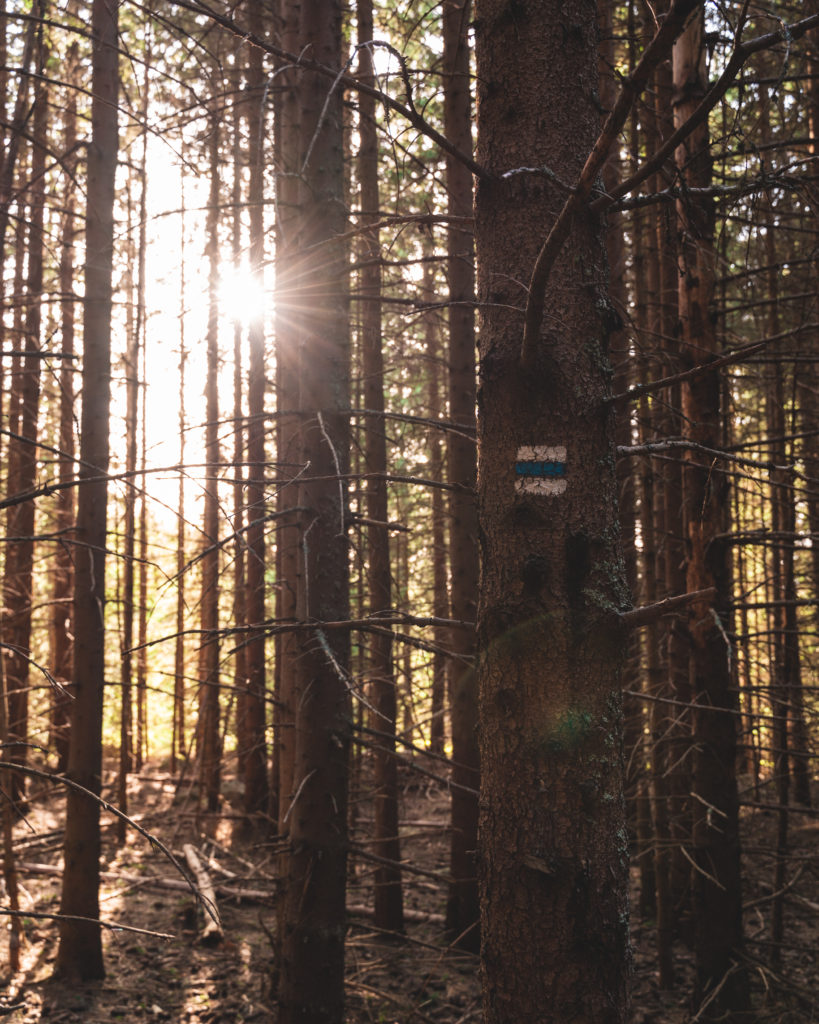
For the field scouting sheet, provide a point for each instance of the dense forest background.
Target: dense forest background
(245, 506)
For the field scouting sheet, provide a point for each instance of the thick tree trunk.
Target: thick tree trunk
(553, 840)
(80, 950)
(314, 925)
(389, 907)
(716, 882)
(462, 904)
(286, 122)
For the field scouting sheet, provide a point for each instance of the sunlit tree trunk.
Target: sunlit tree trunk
(554, 850)
(80, 949)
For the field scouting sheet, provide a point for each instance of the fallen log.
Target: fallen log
(212, 933)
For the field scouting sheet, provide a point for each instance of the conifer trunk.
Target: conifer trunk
(18, 575)
(80, 950)
(389, 908)
(61, 625)
(208, 735)
(553, 843)
(462, 911)
(716, 880)
(314, 920)
(256, 783)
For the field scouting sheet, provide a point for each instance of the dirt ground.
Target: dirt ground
(178, 978)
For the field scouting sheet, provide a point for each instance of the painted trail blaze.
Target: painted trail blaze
(541, 469)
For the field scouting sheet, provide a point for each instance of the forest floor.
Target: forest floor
(180, 979)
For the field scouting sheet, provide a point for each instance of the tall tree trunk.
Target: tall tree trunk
(462, 911)
(553, 840)
(208, 736)
(716, 883)
(314, 910)
(440, 583)
(80, 949)
(178, 730)
(239, 441)
(18, 579)
(62, 634)
(131, 372)
(389, 907)
(635, 731)
(256, 793)
(286, 123)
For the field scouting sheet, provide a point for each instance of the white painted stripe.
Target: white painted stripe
(540, 485)
(542, 453)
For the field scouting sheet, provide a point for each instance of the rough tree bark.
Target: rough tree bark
(312, 942)
(80, 949)
(286, 126)
(554, 850)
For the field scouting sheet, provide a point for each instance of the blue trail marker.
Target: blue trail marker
(541, 469)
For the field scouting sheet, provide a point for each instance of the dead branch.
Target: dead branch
(651, 612)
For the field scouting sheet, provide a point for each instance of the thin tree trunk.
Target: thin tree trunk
(208, 735)
(9, 857)
(239, 451)
(131, 372)
(389, 905)
(80, 949)
(178, 731)
(62, 643)
(440, 597)
(637, 752)
(18, 576)
(462, 913)
(716, 884)
(141, 749)
(256, 795)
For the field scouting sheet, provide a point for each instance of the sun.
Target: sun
(242, 297)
